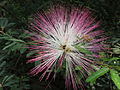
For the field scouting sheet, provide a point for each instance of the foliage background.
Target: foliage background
(14, 17)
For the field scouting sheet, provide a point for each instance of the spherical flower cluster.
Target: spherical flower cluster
(66, 35)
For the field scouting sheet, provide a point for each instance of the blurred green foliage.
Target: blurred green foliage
(14, 18)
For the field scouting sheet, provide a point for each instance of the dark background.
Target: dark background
(13, 57)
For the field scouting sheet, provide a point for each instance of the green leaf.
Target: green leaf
(17, 46)
(9, 45)
(112, 59)
(10, 24)
(10, 83)
(97, 74)
(1, 88)
(25, 79)
(27, 86)
(116, 50)
(115, 77)
(30, 53)
(2, 72)
(22, 50)
(6, 79)
(3, 22)
(2, 64)
(78, 67)
(16, 40)
(37, 63)
(83, 50)
(102, 54)
(2, 57)
(2, 3)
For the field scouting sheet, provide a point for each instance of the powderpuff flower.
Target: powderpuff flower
(65, 35)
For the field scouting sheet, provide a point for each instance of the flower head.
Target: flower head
(65, 35)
